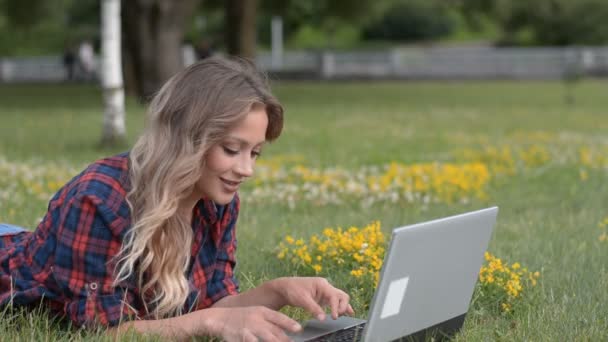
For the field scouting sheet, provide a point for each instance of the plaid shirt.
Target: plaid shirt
(68, 262)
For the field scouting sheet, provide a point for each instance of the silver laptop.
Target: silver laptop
(426, 283)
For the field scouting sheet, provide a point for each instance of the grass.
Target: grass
(548, 217)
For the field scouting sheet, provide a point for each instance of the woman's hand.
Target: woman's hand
(250, 323)
(312, 294)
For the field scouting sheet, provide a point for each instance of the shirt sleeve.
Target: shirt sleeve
(223, 283)
(84, 264)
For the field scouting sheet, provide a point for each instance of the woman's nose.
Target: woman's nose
(245, 166)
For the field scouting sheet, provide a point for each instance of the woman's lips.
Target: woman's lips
(231, 185)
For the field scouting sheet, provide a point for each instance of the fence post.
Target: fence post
(587, 59)
(328, 64)
(395, 58)
(277, 43)
(7, 70)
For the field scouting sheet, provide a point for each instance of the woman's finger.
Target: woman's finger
(310, 305)
(334, 304)
(343, 303)
(282, 321)
(350, 310)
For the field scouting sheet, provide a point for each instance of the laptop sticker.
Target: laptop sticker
(394, 297)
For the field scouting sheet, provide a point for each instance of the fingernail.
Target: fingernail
(297, 327)
(320, 317)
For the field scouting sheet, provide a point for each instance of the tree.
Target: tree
(114, 131)
(324, 14)
(542, 22)
(154, 33)
(25, 13)
(240, 27)
(414, 20)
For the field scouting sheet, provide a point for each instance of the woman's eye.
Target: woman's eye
(230, 151)
(256, 154)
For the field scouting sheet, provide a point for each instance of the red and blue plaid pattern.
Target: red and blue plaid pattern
(68, 262)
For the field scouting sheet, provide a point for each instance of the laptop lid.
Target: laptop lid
(429, 274)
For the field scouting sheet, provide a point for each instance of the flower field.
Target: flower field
(358, 159)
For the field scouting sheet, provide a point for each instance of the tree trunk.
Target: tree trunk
(154, 33)
(114, 131)
(241, 27)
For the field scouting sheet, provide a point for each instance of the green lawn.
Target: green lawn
(551, 202)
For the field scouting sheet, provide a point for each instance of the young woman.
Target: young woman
(146, 239)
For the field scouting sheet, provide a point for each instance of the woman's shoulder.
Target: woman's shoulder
(114, 167)
(101, 188)
(103, 178)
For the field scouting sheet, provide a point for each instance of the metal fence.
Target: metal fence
(399, 63)
(449, 63)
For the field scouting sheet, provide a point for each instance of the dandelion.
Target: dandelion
(360, 250)
(356, 273)
(504, 283)
(394, 182)
(604, 226)
(583, 175)
(282, 254)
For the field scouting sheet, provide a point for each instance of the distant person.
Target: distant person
(69, 63)
(86, 60)
(147, 239)
(188, 54)
(203, 49)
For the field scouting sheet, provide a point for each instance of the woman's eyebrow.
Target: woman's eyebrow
(244, 142)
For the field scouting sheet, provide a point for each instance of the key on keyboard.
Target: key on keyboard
(354, 333)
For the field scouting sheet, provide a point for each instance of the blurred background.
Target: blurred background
(58, 41)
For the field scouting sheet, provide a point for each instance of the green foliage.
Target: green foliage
(36, 27)
(543, 22)
(344, 36)
(319, 23)
(570, 22)
(411, 21)
(25, 14)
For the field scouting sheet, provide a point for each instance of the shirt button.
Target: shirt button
(93, 286)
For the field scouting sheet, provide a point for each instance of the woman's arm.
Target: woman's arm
(178, 328)
(251, 314)
(309, 293)
(231, 324)
(267, 294)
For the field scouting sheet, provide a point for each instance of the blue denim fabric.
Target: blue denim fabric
(9, 229)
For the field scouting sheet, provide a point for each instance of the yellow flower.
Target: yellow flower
(281, 254)
(289, 239)
(583, 175)
(356, 273)
(317, 268)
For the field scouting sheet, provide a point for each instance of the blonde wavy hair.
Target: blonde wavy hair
(193, 111)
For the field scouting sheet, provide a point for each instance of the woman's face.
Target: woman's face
(232, 161)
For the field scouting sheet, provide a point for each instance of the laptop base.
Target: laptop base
(336, 330)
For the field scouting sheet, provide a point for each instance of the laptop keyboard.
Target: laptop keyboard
(354, 333)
